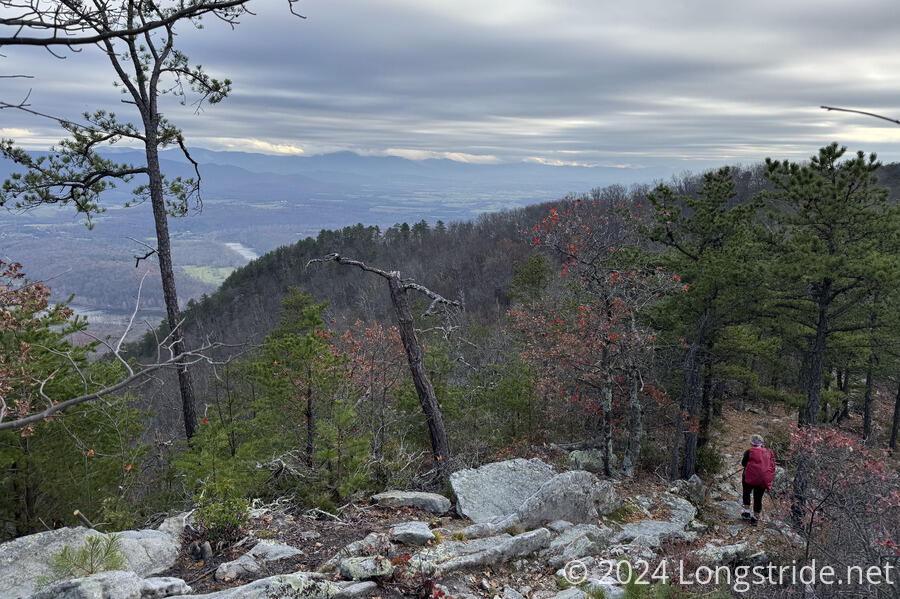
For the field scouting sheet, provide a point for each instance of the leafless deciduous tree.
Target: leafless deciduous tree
(166, 358)
(415, 353)
(138, 39)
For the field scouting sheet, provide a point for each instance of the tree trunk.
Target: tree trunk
(415, 355)
(310, 420)
(606, 438)
(689, 409)
(705, 402)
(809, 415)
(867, 400)
(164, 253)
(687, 425)
(632, 454)
(895, 429)
(801, 482)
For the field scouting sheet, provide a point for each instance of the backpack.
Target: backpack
(760, 469)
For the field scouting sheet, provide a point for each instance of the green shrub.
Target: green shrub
(98, 554)
(709, 459)
(654, 456)
(779, 441)
(224, 519)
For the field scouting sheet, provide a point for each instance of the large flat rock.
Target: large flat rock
(494, 491)
(25, 559)
(114, 584)
(451, 556)
(431, 502)
(301, 585)
(251, 562)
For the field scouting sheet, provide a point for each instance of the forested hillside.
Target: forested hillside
(620, 324)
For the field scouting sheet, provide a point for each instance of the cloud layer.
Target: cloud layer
(644, 83)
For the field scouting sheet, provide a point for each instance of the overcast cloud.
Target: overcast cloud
(683, 84)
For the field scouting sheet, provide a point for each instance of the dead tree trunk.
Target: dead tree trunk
(415, 353)
(896, 424)
(635, 424)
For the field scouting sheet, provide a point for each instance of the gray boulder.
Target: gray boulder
(559, 525)
(495, 491)
(251, 562)
(590, 460)
(412, 533)
(163, 586)
(606, 499)
(729, 509)
(364, 568)
(25, 559)
(571, 496)
(575, 542)
(652, 533)
(692, 489)
(115, 584)
(511, 593)
(451, 556)
(149, 551)
(357, 590)
(300, 585)
(174, 525)
(680, 510)
(374, 543)
(431, 502)
(721, 555)
(568, 496)
(609, 586)
(570, 593)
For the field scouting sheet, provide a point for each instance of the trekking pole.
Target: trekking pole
(719, 479)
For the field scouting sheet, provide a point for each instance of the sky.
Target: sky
(672, 83)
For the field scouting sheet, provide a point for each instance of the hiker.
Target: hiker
(759, 471)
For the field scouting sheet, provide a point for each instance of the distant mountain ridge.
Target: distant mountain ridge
(357, 166)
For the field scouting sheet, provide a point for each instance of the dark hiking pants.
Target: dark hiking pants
(757, 496)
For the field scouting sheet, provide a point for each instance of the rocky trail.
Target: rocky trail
(519, 528)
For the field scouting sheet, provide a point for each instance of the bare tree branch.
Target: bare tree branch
(192, 357)
(872, 114)
(437, 299)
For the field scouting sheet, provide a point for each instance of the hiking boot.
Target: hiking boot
(745, 515)
(754, 521)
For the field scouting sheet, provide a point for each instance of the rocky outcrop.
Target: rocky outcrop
(652, 533)
(589, 459)
(411, 533)
(431, 502)
(300, 585)
(495, 491)
(174, 525)
(26, 559)
(691, 489)
(573, 496)
(714, 555)
(149, 551)
(252, 562)
(116, 584)
(364, 568)
(575, 542)
(451, 556)
(375, 543)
